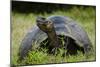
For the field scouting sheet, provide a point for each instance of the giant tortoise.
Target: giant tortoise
(51, 29)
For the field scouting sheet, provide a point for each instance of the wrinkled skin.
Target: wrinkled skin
(47, 26)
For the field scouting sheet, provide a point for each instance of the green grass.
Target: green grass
(21, 23)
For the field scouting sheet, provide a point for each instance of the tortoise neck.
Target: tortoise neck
(53, 39)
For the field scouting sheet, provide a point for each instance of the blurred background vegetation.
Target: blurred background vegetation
(23, 17)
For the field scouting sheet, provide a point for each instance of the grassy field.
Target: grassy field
(22, 22)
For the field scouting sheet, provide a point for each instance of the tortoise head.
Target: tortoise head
(44, 24)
